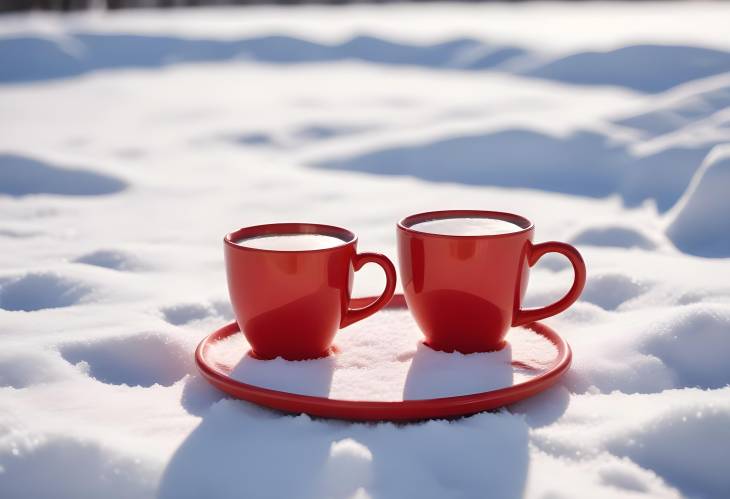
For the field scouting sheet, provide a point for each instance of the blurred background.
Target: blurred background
(68, 5)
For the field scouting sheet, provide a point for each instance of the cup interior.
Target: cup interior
(287, 229)
(410, 221)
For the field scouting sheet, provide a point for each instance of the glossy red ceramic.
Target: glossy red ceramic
(218, 374)
(290, 304)
(465, 292)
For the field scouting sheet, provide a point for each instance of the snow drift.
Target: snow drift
(700, 223)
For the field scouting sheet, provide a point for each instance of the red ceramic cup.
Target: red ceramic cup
(465, 292)
(290, 304)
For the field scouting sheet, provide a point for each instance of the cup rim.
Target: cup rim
(405, 224)
(289, 228)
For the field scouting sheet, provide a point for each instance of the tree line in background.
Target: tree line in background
(69, 5)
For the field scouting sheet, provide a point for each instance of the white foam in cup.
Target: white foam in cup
(475, 226)
(291, 242)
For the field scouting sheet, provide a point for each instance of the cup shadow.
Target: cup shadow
(434, 374)
(242, 450)
(306, 377)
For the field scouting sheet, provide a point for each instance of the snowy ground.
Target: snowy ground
(130, 143)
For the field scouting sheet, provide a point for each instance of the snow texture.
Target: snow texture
(700, 224)
(384, 359)
(131, 142)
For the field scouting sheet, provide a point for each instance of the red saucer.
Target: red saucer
(218, 375)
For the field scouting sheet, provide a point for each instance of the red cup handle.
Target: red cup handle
(535, 251)
(357, 314)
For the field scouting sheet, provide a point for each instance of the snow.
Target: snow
(383, 359)
(22, 176)
(699, 224)
(131, 142)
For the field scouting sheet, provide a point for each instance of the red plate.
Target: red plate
(362, 410)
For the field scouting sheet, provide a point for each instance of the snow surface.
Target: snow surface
(131, 142)
(384, 359)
